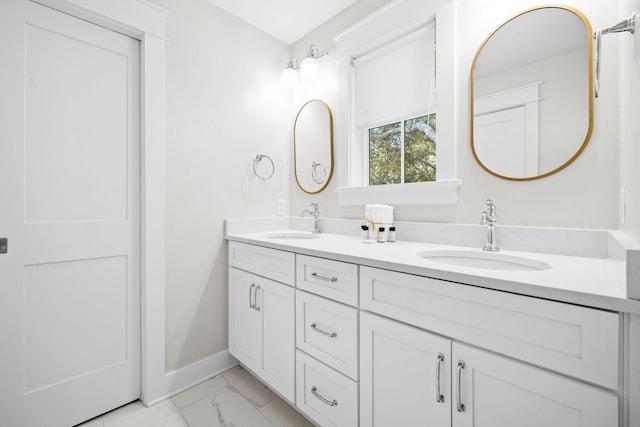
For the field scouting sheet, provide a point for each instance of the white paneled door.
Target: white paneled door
(70, 211)
(500, 141)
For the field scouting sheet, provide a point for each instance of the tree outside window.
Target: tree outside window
(403, 152)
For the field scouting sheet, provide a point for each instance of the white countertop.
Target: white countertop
(582, 280)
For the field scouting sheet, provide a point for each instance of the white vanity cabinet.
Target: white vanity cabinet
(262, 315)
(354, 345)
(482, 387)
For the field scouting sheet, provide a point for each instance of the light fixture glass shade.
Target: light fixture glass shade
(309, 67)
(289, 77)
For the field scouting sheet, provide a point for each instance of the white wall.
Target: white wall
(583, 195)
(224, 105)
(629, 74)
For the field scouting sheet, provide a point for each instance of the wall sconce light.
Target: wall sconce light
(289, 76)
(310, 65)
(308, 68)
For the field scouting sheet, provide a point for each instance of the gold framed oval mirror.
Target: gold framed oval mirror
(531, 96)
(313, 146)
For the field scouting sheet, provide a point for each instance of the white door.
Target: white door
(500, 141)
(70, 209)
(404, 375)
(499, 392)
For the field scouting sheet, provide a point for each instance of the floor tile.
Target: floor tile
(163, 414)
(224, 408)
(199, 391)
(235, 410)
(252, 389)
(280, 414)
(202, 414)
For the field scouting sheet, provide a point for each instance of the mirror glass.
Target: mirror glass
(531, 100)
(313, 146)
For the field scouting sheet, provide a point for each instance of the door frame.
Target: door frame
(145, 22)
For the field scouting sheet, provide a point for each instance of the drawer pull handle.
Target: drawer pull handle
(460, 405)
(255, 299)
(320, 331)
(326, 279)
(251, 304)
(439, 360)
(323, 399)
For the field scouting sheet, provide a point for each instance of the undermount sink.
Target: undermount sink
(485, 260)
(292, 235)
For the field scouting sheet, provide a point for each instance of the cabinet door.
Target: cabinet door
(276, 303)
(404, 375)
(499, 392)
(245, 322)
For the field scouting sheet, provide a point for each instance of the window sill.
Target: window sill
(427, 193)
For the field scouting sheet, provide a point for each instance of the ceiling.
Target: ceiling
(287, 20)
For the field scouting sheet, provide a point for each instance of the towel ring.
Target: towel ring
(314, 173)
(256, 162)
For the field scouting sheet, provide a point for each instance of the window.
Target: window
(403, 152)
(394, 100)
(388, 150)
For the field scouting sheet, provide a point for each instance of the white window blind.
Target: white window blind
(396, 80)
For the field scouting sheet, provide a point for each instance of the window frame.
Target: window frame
(394, 21)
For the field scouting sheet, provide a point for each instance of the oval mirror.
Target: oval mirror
(531, 100)
(313, 146)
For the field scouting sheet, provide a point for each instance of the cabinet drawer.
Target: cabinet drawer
(332, 279)
(324, 395)
(577, 341)
(266, 262)
(328, 331)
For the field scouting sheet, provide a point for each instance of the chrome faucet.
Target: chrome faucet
(489, 218)
(316, 214)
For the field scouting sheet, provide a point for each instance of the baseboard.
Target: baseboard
(177, 381)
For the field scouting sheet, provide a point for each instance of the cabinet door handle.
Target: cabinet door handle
(326, 279)
(439, 360)
(325, 333)
(251, 304)
(323, 399)
(255, 298)
(460, 405)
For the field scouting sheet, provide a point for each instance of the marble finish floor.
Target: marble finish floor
(233, 398)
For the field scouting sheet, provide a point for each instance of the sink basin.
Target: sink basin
(292, 235)
(486, 260)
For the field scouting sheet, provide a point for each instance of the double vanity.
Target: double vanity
(450, 325)
(431, 329)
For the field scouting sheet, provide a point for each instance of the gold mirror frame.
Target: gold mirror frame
(326, 176)
(589, 65)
